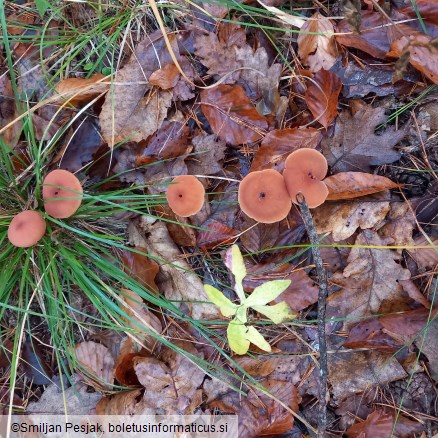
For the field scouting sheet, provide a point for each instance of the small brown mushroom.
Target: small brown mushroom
(304, 170)
(26, 229)
(62, 193)
(263, 196)
(185, 195)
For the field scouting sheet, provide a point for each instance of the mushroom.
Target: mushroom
(64, 185)
(263, 196)
(26, 229)
(185, 195)
(304, 170)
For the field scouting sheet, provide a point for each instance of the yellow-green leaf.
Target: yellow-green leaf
(226, 307)
(277, 313)
(257, 339)
(267, 292)
(241, 314)
(236, 337)
(237, 267)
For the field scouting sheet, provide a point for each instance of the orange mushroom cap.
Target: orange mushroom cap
(304, 170)
(26, 229)
(64, 185)
(263, 196)
(185, 195)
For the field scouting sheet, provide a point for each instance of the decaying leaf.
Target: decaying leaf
(316, 43)
(378, 425)
(208, 155)
(354, 372)
(343, 219)
(322, 96)
(400, 224)
(371, 278)
(129, 111)
(279, 143)
(349, 185)
(176, 280)
(425, 258)
(166, 77)
(96, 362)
(354, 145)
(260, 414)
(231, 115)
(142, 268)
(78, 91)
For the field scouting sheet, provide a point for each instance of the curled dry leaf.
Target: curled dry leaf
(355, 146)
(378, 425)
(349, 185)
(343, 219)
(141, 267)
(316, 43)
(78, 91)
(231, 115)
(279, 143)
(422, 53)
(371, 277)
(166, 77)
(96, 364)
(322, 96)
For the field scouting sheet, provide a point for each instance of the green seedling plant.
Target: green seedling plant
(239, 334)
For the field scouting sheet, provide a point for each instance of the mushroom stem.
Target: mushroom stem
(322, 297)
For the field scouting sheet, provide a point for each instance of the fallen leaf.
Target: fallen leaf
(316, 43)
(79, 91)
(354, 145)
(349, 185)
(76, 399)
(259, 414)
(426, 258)
(8, 112)
(376, 34)
(140, 317)
(208, 155)
(96, 364)
(400, 224)
(129, 111)
(352, 372)
(179, 228)
(217, 51)
(170, 141)
(378, 425)
(122, 403)
(334, 256)
(257, 366)
(178, 281)
(322, 96)
(166, 77)
(371, 278)
(289, 19)
(422, 52)
(279, 143)
(141, 267)
(34, 363)
(231, 115)
(343, 219)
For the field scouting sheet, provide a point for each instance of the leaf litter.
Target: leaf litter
(380, 264)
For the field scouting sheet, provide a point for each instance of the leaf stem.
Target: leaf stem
(322, 296)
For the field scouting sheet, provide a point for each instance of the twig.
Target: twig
(322, 280)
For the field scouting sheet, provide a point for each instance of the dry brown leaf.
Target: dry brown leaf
(166, 77)
(354, 372)
(122, 403)
(335, 257)
(260, 414)
(279, 143)
(343, 219)
(177, 280)
(370, 279)
(354, 145)
(208, 155)
(78, 91)
(142, 268)
(400, 224)
(425, 258)
(422, 51)
(231, 114)
(129, 111)
(140, 316)
(96, 363)
(257, 366)
(317, 48)
(322, 96)
(377, 425)
(8, 112)
(349, 185)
